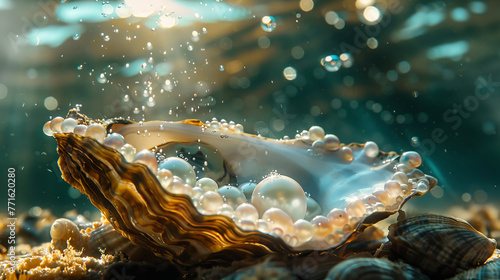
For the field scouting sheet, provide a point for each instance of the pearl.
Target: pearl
(400, 177)
(128, 152)
(278, 219)
(321, 227)
(47, 130)
(411, 159)
(313, 208)
(210, 202)
(303, 230)
(281, 192)
(115, 141)
(55, 124)
(371, 149)
(262, 226)
(245, 225)
(246, 212)
(318, 146)
(68, 125)
(238, 128)
(176, 186)
(232, 195)
(316, 133)
(355, 208)
(207, 184)
(338, 217)
(332, 142)
(80, 129)
(96, 131)
(422, 187)
(165, 177)
(181, 168)
(247, 189)
(147, 158)
(383, 196)
(370, 199)
(347, 154)
(226, 210)
(393, 188)
(197, 192)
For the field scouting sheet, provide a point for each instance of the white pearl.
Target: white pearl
(318, 147)
(176, 186)
(393, 188)
(338, 217)
(147, 158)
(165, 177)
(55, 124)
(355, 208)
(128, 152)
(115, 141)
(303, 230)
(211, 201)
(232, 195)
(281, 192)
(226, 210)
(400, 177)
(181, 168)
(332, 142)
(80, 129)
(246, 212)
(383, 196)
(47, 130)
(371, 149)
(411, 159)
(207, 184)
(370, 199)
(316, 133)
(68, 125)
(96, 131)
(321, 227)
(278, 219)
(347, 154)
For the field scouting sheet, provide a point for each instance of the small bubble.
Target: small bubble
(190, 48)
(414, 94)
(106, 38)
(126, 98)
(136, 111)
(80, 67)
(268, 23)
(76, 36)
(204, 30)
(221, 68)
(332, 63)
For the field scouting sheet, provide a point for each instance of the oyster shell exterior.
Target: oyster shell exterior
(440, 246)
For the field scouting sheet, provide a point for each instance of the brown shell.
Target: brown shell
(373, 268)
(440, 246)
(168, 225)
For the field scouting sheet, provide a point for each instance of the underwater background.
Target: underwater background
(409, 75)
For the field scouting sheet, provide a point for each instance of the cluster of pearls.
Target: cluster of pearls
(223, 125)
(276, 205)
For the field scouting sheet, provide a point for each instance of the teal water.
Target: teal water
(416, 76)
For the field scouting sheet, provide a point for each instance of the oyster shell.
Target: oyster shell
(440, 246)
(358, 183)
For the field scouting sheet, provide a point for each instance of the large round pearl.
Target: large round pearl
(55, 124)
(281, 192)
(332, 142)
(232, 195)
(303, 230)
(207, 184)
(338, 217)
(47, 130)
(80, 129)
(128, 152)
(411, 159)
(246, 212)
(68, 125)
(371, 149)
(393, 188)
(147, 158)
(355, 208)
(115, 141)
(321, 227)
(181, 168)
(279, 222)
(210, 202)
(316, 133)
(96, 131)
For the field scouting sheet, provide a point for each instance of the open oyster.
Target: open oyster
(209, 193)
